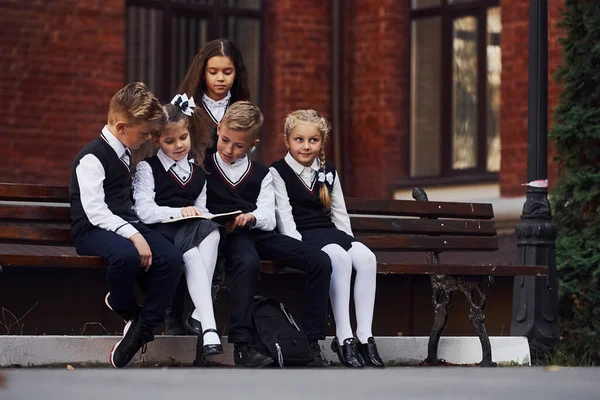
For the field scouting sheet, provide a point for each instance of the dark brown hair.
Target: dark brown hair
(194, 85)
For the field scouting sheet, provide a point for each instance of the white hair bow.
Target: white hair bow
(184, 103)
(325, 176)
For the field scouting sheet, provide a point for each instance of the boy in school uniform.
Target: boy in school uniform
(236, 183)
(103, 222)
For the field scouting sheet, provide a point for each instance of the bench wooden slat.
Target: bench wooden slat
(31, 192)
(267, 267)
(423, 226)
(393, 242)
(35, 213)
(63, 261)
(451, 269)
(36, 235)
(410, 208)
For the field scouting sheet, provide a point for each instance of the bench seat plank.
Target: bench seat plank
(73, 261)
(393, 242)
(32, 192)
(19, 212)
(410, 208)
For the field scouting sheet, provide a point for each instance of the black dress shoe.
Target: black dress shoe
(211, 349)
(347, 352)
(247, 355)
(193, 326)
(369, 354)
(319, 360)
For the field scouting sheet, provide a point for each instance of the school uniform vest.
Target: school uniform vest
(307, 209)
(172, 191)
(223, 195)
(117, 186)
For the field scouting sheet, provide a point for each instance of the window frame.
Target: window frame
(448, 13)
(213, 13)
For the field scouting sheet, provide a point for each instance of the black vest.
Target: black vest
(307, 209)
(226, 196)
(117, 186)
(170, 190)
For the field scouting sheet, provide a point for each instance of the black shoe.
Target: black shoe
(193, 327)
(211, 349)
(135, 337)
(246, 355)
(347, 352)
(319, 360)
(369, 354)
(173, 324)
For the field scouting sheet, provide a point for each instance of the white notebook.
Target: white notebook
(218, 218)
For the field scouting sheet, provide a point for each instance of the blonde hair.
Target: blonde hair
(324, 127)
(137, 104)
(243, 116)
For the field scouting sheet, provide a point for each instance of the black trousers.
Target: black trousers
(243, 251)
(124, 270)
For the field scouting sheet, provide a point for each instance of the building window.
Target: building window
(163, 36)
(455, 88)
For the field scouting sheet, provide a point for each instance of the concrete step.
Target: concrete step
(180, 350)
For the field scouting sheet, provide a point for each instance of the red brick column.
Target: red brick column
(297, 68)
(513, 109)
(60, 63)
(376, 96)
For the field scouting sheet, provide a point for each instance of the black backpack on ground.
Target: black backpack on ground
(277, 335)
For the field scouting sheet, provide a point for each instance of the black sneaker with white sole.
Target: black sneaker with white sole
(135, 337)
(247, 355)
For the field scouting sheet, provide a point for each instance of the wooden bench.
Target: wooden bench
(34, 215)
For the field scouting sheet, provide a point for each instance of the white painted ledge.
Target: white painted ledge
(174, 350)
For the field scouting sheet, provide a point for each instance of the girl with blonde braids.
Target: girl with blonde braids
(320, 218)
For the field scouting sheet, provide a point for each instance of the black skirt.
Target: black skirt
(188, 233)
(321, 237)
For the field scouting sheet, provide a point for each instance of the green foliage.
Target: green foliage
(576, 194)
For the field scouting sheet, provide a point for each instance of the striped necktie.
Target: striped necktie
(126, 157)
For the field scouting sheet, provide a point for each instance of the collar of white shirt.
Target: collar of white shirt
(168, 162)
(113, 141)
(240, 163)
(299, 168)
(216, 103)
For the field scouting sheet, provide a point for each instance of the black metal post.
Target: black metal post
(535, 299)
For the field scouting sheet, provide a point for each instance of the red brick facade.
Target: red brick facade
(61, 61)
(513, 111)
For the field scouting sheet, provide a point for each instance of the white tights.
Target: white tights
(363, 261)
(199, 268)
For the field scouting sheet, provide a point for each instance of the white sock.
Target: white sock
(365, 264)
(199, 267)
(339, 290)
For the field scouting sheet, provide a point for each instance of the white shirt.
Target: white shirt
(90, 176)
(216, 108)
(265, 203)
(285, 219)
(143, 190)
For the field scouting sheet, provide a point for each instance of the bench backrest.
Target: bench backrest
(40, 214)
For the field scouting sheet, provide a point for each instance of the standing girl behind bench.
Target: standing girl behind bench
(171, 185)
(311, 208)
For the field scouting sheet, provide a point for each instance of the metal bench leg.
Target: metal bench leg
(442, 299)
(472, 287)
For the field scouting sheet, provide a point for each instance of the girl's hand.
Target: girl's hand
(244, 220)
(190, 211)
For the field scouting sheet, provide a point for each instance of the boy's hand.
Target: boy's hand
(244, 220)
(190, 211)
(142, 247)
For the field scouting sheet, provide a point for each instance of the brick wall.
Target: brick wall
(376, 95)
(60, 62)
(513, 110)
(297, 50)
